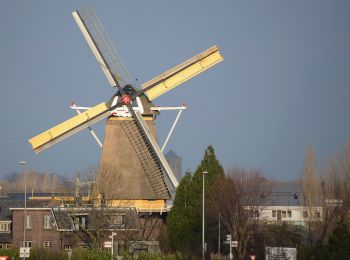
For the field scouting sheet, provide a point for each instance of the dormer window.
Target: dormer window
(117, 219)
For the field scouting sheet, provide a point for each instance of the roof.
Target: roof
(64, 220)
(285, 194)
(281, 199)
(172, 155)
(5, 205)
(6, 215)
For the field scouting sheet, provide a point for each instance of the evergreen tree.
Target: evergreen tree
(338, 246)
(184, 223)
(180, 221)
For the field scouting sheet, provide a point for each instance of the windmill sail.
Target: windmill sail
(69, 127)
(181, 73)
(102, 47)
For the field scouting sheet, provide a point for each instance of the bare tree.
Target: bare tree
(107, 180)
(322, 198)
(106, 213)
(310, 186)
(344, 185)
(238, 197)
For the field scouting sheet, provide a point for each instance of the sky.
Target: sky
(283, 84)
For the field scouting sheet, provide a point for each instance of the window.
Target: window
(48, 244)
(140, 248)
(284, 214)
(318, 214)
(4, 246)
(305, 215)
(289, 213)
(85, 246)
(28, 244)
(29, 221)
(80, 222)
(47, 222)
(67, 247)
(274, 213)
(83, 222)
(117, 219)
(256, 213)
(5, 226)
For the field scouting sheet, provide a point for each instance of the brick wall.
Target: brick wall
(37, 233)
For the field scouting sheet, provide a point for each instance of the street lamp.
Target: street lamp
(219, 241)
(23, 164)
(203, 219)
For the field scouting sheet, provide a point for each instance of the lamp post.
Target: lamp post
(203, 219)
(23, 164)
(219, 240)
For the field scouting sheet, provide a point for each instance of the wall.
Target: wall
(37, 234)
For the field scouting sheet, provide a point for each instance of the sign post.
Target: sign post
(69, 253)
(112, 245)
(229, 240)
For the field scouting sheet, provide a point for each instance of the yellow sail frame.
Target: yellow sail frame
(181, 73)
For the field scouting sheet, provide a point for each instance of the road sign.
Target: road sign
(24, 251)
(228, 237)
(113, 234)
(234, 243)
(107, 244)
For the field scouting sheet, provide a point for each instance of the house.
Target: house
(40, 228)
(284, 205)
(6, 221)
(52, 225)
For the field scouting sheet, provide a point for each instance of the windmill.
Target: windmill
(132, 164)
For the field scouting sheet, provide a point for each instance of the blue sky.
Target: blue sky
(284, 82)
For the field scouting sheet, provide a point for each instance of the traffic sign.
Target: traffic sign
(228, 237)
(24, 251)
(107, 244)
(234, 243)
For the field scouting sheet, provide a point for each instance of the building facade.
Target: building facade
(40, 229)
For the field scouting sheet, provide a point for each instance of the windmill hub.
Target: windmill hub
(126, 99)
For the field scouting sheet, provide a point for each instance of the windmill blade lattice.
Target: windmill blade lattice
(105, 46)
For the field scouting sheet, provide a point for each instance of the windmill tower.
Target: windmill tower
(132, 166)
